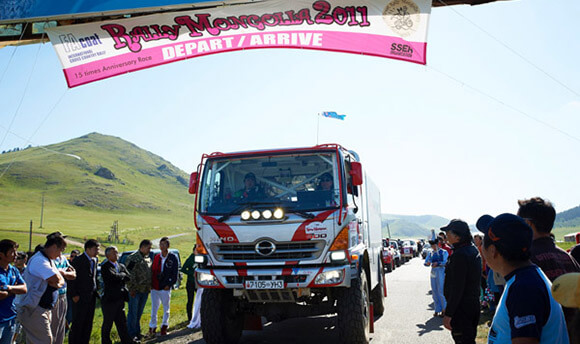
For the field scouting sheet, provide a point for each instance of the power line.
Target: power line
(12, 55)
(23, 93)
(513, 108)
(512, 50)
(34, 133)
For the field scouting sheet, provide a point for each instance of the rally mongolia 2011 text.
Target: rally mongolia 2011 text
(326, 15)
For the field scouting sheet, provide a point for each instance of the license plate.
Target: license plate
(267, 284)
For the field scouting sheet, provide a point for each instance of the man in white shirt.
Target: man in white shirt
(43, 281)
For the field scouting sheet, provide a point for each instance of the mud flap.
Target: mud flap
(372, 319)
(253, 322)
(384, 285)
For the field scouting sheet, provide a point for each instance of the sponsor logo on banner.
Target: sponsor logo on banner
(385, 28)
(402, 16)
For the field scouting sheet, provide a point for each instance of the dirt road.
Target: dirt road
(408, 318)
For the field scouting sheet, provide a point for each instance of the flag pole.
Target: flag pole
(317, 126)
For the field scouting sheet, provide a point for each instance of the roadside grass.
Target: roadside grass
(80, 224)
(566, 245)
(485, 317)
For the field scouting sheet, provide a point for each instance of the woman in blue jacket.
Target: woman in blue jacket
(437, 259)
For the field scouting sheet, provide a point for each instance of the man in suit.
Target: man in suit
(115, 275)
(83, 292)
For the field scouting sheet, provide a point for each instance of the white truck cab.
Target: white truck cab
(287, 233)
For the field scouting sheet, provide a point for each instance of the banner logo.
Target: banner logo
(402, 16)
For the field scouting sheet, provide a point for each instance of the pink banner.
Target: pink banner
(96, 51)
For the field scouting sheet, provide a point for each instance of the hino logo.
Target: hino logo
(265, 248)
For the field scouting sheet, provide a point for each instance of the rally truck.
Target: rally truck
(287, 233)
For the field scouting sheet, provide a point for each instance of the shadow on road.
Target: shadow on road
(433, 324)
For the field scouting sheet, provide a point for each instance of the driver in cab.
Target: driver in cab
(251, 190)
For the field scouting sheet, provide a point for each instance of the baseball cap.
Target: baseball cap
(507, 230)
(57, 233)
(566, 290)
(250, 175)
(458, 227)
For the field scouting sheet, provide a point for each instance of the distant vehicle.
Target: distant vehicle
(425, 252)
(409, 250)
(387, 255)
(397, 253)
(413, 244)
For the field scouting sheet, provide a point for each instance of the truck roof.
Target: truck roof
(326, 146)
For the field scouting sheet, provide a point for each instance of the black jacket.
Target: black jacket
(85, 285)
(115, 288)
(462, 281)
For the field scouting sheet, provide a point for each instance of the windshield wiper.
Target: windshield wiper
(304, 214)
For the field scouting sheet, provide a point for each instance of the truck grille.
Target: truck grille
(274, 295)
(304, 250)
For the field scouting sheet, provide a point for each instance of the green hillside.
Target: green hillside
(112, 180)
(568, 218)
(409, 226)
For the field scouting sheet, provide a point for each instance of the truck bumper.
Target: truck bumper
(291, 277)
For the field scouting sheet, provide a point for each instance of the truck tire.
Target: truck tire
(353, 308)
(377, 295)
(220, 321)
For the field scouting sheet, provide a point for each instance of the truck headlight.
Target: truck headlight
(279, 213)
(267, 214)
(329, 277)
(206, 279)
(337, 256)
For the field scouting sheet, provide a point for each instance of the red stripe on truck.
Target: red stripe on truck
(223, 231)
(300, 234)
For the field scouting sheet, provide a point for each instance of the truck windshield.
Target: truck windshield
(295, 182)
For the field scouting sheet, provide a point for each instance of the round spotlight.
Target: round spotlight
(245, 215)
(267, 214)
(255, 214)
(279, 213)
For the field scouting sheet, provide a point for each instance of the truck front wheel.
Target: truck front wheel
(220, 321)
(353, 307)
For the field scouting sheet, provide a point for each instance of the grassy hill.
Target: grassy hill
(409, 226)
(112, 180)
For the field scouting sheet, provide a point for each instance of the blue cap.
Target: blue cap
(507, 230)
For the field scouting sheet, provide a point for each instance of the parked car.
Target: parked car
(396, 253)
(408, 251)
(425, 252)
(387, 255)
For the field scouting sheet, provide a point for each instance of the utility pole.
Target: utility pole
(42, 210)
(30, 238)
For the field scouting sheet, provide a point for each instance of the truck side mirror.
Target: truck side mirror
(356, 173)
(193, 183)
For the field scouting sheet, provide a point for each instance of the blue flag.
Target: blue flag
(333, 114)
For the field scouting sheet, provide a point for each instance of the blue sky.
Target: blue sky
(472, 132)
